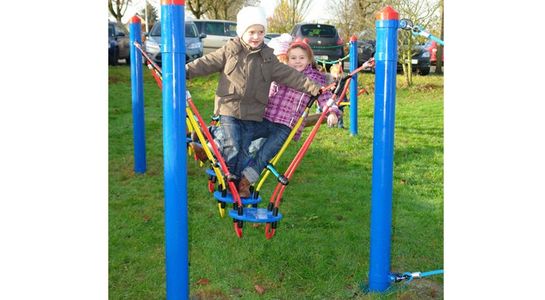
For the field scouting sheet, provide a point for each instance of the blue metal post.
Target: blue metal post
(354, 86)
(174, 145)
(137, 85)
(383, 149)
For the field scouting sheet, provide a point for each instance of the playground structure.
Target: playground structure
(175, 151)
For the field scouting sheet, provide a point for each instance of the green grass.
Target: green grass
(321, 247)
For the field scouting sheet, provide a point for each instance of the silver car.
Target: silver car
(193, 42)
(218, 32)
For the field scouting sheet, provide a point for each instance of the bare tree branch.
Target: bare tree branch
(288, 13)
(118, 8)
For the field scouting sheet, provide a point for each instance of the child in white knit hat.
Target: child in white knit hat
(247, 67)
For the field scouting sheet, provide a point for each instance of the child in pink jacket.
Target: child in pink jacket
(282, 112)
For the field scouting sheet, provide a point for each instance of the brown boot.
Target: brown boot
(244, 188)
(199, 152)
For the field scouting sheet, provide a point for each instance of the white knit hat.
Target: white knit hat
(248, 16)
(280, 43)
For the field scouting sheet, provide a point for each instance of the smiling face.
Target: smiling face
(254, 35)
(298, 58)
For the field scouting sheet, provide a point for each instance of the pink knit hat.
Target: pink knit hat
(280, 44)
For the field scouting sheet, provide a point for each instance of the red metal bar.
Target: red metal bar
(139, 47)
(216, 151)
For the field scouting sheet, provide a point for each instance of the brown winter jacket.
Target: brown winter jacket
(245, 79)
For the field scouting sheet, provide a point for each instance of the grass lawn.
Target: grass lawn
(321, 246)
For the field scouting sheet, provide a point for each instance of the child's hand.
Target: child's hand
(320, 91)
(332, 120)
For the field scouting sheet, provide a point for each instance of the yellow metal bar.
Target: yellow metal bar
(222, 210)
(189, 129)
(284, 147)
(209, 154)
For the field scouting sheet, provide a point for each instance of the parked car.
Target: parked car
(366, 50)
(193, 43)
(420, 60)
(270, 36)
(118, 44)
(324, 40)
(218, 32)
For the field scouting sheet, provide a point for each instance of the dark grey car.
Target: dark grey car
(366, 50)
(324, 40)
(118, 44)
(420, 61)
(193, 43)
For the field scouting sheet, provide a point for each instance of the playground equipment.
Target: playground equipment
(354, 86)
(383, 148)
(174, 133)
(407, 24)
(175, 151)
(387, 24)
(269, 215)
(137, 98)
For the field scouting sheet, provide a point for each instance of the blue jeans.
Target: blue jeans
(235, 142)
(275, 134)
(217, 135)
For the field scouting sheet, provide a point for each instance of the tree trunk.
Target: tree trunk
(409, 65)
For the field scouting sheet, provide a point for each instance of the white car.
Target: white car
(218, 32)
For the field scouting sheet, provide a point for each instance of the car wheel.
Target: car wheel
(424, 71)
(128, 60)
(115, 57)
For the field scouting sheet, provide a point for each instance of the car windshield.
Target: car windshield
(156, 30)
(318, 30)
(190, 30)
(111, 30)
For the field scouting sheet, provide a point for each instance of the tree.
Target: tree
(224, 10)
(118, 8)
(288, 13)
(421, 13)
(198, 7)
(151, 16)
(355, 17)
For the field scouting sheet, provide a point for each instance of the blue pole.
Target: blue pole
(383, 148)
(354, 86)
(174, 147)
(137, 85)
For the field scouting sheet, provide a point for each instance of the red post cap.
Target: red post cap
(135, 19)
(172, 2)
(387, 13)
(353, 38)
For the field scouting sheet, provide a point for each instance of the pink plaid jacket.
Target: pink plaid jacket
(286, 105)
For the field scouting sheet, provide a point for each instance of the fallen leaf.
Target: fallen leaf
(203, 281)
(147, 218)
(259, 289)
